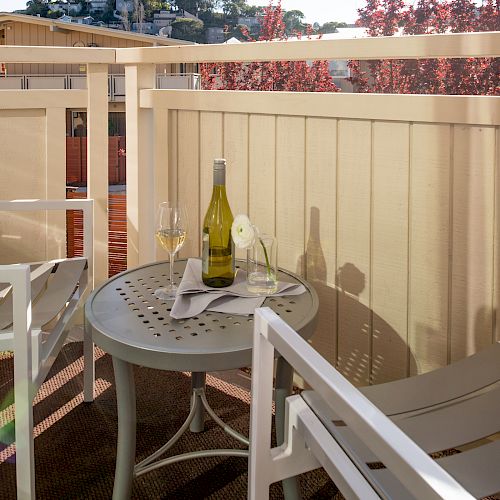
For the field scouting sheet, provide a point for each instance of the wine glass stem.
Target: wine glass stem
(172, 257)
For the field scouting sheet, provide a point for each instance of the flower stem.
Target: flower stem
(268, 265)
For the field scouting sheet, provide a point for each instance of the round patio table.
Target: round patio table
(135, 328)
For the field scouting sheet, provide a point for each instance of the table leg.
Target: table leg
(125, 450)
(198, 380)
(283, 389)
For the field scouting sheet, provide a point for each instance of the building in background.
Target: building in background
(23, 30)
(215, 35)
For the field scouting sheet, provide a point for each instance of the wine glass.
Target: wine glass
(170, 231)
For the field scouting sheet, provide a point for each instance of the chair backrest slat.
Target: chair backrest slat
(39, 277)
(444, 384)
(60, 287)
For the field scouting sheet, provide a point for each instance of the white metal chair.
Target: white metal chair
(37, 302)
(343, 429)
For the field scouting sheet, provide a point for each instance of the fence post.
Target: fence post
(97, 163)
(56, 181)
(140, 166)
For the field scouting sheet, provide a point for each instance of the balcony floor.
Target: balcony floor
(75, 442)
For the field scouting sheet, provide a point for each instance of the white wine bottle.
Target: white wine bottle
(218, 248)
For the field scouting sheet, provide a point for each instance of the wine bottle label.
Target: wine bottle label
(205, 252)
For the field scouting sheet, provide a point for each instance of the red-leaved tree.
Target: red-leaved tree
(296, 76)
(473, 76)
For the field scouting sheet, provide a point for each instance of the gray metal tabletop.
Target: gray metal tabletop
(130, 323)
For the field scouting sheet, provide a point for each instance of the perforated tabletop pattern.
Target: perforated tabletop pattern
(129, 322)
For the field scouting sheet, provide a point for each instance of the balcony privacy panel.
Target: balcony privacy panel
(33, 165)
(393, 222)
(23, 176)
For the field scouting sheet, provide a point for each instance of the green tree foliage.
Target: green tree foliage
(331, 27)
(294, 21)
(195, 6)
(233, 8)
(84, 11)
(37, 8)
(188, 29)
(240, 31)
(151, 6)
(108, 14)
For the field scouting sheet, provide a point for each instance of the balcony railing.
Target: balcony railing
(388, 204)
(116, 83)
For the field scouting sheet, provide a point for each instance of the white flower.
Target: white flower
(243, 232)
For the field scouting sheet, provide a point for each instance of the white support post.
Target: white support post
(55, 181)
(161, 165)
(140, 166)
(97, 163)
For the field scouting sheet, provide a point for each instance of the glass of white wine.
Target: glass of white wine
(170, 231)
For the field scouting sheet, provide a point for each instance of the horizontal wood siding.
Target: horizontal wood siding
(392, 221)
(25, 34)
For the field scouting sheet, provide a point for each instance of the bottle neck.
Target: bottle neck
(220, 178)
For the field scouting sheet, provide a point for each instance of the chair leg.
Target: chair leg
(25, 458)
(88, 365)
(284, 388)
(23, 384)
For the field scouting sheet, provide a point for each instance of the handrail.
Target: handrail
(456, 45)
(410, 107)
(57, 55)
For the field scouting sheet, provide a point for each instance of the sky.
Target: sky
(314, 10)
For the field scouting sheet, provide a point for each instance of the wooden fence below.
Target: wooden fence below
(76, 160)
(117, 240)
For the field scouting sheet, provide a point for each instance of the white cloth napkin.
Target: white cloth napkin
(194, 297)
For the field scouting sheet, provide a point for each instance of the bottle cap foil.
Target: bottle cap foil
(219, 163)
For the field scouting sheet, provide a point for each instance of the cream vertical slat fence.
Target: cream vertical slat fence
(140, 167)
(262, 172)
(290, 191)
(353, 249)
(188, 175)
(429, 247)
(97, 163)
(375, 195)
(472, 230)
(389, 256)
(320, 246)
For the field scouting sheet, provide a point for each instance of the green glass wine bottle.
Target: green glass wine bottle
(218, 268)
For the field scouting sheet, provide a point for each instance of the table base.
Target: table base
(196, 415)
(126, 469)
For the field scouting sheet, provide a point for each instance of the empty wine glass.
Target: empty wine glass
(170, 231)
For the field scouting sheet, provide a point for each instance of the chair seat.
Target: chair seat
(52, 286)
(343, 429)
(467, 412)
(477, 470)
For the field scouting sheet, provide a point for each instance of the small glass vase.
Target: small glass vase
(262, 265)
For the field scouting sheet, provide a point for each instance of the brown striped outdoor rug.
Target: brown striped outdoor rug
(75, 442)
